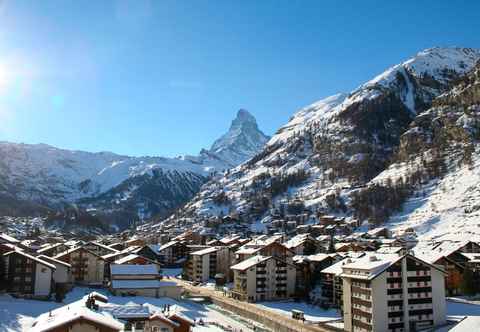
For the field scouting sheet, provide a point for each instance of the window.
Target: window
(155, 329)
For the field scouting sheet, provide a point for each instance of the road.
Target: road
(225, 302)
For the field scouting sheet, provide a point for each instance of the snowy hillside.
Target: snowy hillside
(106, 182)
(329, 153)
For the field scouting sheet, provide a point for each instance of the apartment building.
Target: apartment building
(263, 278)
(27, 275)
(87, 267)
(392, 293)
(203, 265)
(168, 254)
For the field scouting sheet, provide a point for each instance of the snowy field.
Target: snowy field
(18, 315)
(312, 313)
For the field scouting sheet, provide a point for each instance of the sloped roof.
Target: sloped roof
(248, 263)
(70, 313)
(53, 260)
(36, 259)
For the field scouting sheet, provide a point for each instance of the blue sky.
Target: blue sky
(143, 77)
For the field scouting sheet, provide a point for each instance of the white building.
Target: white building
(390, 292)
(263, 278)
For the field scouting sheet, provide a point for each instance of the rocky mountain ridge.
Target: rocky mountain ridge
(35, 178)
(331, 153)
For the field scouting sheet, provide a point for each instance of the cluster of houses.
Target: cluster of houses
(380, 282)
(33, 270)
(94, 313)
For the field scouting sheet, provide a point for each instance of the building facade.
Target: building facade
(392, 293)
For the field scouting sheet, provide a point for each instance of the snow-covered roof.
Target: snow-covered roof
(205, 251)
(36, 259)
(159, 315)
(127, 311)
(126, 269)
(101, 245)
(180, 315)
(389, 250)
(8, 238)
(248, 263)
(431, 253)
(70, 313)
(140, 284)
(336, 268)
(126, 259)
(318, 257)
(48, 247)
(371, 265)
(165, 246)
(229, 239)
(69, 251)
(53, 260)
(297, 240)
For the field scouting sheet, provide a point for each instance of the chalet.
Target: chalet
(87, 267)
(265, 246)
(170, 254)
(77, 316)
(309, 268)
(27, 275)
(451, 257)
(303, 244)
(63, 271)
(76, 319)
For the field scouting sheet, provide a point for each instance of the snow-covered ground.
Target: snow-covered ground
(312, 313)
(171, 272)
(446, 209)
(18, 315)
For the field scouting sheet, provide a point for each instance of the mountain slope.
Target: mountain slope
(330, 151)
(128, 188)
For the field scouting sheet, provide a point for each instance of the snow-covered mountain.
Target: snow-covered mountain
(242, 141)
(331, 154)
(107, 182)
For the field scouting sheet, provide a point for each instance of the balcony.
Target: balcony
(418, 273)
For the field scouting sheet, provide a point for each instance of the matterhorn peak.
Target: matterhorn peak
(243, 140)
(244, 116)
